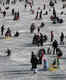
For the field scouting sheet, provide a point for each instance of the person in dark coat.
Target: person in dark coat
(8, 30)
(62, 38)
(42, 24)
(52, 36)
(25, 5)
(54, 45)
(13, 11)
(36, 15)
(34, 62)
(38, 40)
(2, 29)
(8, 33)
(40, 16)
(8, 52)
(16, 34)
(51, 3)
(44, 6)
(41, 39)
(38, 29)
(16, 15)
(32, 27)
(59, 52)
(54, 12)
(4, 13)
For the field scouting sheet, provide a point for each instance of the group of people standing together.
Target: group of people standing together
(42, 60)
(40, 38)
(55, 51)
(35, 60)
(42, 55)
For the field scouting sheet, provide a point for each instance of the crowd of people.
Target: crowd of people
(39, 38)
(41, 59)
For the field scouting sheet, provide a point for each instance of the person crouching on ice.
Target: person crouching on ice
(56, 62)
(8, 33)
(8, 52)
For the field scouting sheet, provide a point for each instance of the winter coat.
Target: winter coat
(55, 44)
(34, 61)
(62, 37)
(32, 27)
(59, 52)
(54, 12)
(52, 35)
(2, 28)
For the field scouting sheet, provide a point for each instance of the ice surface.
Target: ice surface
(17, 66)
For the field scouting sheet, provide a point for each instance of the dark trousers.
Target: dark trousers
(54, 50)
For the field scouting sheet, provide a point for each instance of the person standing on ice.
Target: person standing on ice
(41, 39)
(51, 3)
(4, 13)
(41, 53)
(45, 62)
(34, 62)
(54, 45)
(44, 6)
(16, 15)
(13, 11)
(52, 36)
(39, 14)
(30, 5)
(36, 15)
(2, 29)
(54, 12)
(62, 38)
(38, 30)
(32, 27)
(38, 36)
(26, 2)
(25, 5)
